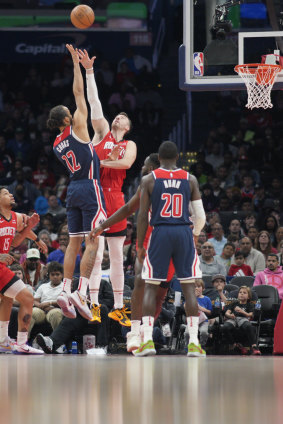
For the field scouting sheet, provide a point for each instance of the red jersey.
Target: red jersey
(8, 230)
(111, 178)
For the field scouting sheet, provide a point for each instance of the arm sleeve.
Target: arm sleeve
(93, 99)
(198, 216)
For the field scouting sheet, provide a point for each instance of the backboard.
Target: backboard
(220, 34)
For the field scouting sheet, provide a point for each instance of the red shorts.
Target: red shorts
(6, 275)
(114, 200)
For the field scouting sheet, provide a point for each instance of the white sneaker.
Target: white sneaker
(133, 341)
(80, 303)
(46, 343)
(65, 304)
(25, 349)
(7, 345)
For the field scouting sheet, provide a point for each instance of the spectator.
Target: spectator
(248, 186)
(249, 221)
(29, 190)
(210, 202)
(263, 244)
(272, 275)
(59, 254)
(209, 264)
(278, 237)
(19, 146)
(202, 237)
(135, 62)
(271, 225)
(235, 228)
(215, 158)
(42, 177)
(218, 291)
(47, 223)
(205, 308)
(280, 254)
(252, 233)
(226, 255)
(259, 197)
(218, 240)
(253, 257)
(33, 269)
(239, 314)
(56, 210)
(45, 299)
(41, 202)
(45, 236)
(240, 268)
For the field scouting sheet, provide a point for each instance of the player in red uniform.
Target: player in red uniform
(116, 155)
(13, 231)
(134, 336)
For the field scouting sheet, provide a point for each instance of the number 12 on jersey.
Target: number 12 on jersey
(173, 206)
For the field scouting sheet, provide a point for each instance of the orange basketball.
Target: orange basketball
(82, 16)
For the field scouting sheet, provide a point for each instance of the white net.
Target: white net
(259, 80)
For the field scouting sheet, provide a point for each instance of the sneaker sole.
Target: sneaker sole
(42, 344)
(146, 352)
(16, 352)
(65, 309)
(82, 312)
(7, 352)
(196, 355)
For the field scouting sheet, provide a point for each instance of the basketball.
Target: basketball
(82, 16)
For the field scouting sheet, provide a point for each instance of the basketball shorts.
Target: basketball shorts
(171, 242)
(114, 200)
(85, 206)
(7, 278)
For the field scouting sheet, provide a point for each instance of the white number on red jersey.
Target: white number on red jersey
(173, 206)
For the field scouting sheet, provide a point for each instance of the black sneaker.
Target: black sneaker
(46, 343)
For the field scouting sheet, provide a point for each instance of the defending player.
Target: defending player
(134, 336)
(85, 203)
(169, 190)
(12, 232)
(116, 155)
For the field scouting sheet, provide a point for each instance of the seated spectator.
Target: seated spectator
(41, 203)
(235, 228)
(209, 264)
(253, 257)
(33, 269)
(216, 188)
(259, 197)
(240, 268)
(239, 314)
(204, 308)
(200, 174)
(247, 189)
(263, 244)
(23, 203)
(47, 223)
(69, 328)
(45, 236)
(56, 209)
(249, 221)
(252, 233)
(210, 202)
(19, 145)
(280, 254)
(59, 254)
(272, 275)
(231, 238)
(42, 177)
(29, 190)
(271, 225)
(226, 255)
(218, 240)
(45, 299)
(202, 237)
(278, 238)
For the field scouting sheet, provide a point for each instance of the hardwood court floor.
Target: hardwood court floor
(79, 389)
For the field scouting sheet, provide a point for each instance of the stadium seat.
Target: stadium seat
(243, 281)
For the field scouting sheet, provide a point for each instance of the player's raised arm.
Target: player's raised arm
(99, 123)
(198, 214)
(80, 115)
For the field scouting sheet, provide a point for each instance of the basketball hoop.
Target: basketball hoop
(259, 79)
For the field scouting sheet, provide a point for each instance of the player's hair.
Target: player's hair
(2, 188)
(54, 266)
(56, 117)
(130, 122)
(168, 150)
(153, 157)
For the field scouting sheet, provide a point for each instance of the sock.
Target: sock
(22, 337)
(83, 285)
(135, 326)
(93, 294)
(118, 299)
(147, 328)
(95, 277)
(115, 245)
(192, 328)
(67, 285)
(3, 330)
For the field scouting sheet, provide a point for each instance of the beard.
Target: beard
(13, 205)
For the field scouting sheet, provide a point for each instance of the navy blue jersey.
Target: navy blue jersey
(78, 157)
(170, 197)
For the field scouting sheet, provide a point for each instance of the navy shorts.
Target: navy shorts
(171, 241)
(85, 206)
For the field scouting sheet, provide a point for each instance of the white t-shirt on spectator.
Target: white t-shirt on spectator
(47, 293)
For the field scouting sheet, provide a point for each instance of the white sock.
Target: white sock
(83, 283)
(67, 285)
(192, 328)
(95, 277)
(3, 330)
(135, 326)
(147, 328)
(22, 337)
(115, 245)
(118, 299)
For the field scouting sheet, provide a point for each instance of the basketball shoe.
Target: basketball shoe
(79, 301)
(45, 343)
(121, 316)
(95, 312)
(7, 345)
(145, 349)
(133, 341)
(25, 349)
(65, 304)
(196, 350)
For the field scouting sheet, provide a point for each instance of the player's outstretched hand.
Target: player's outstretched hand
(141, 254)
(42, 246)
(84, 59)
(96, 232)
(33, 220)
(6, 259)
(73, 52)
